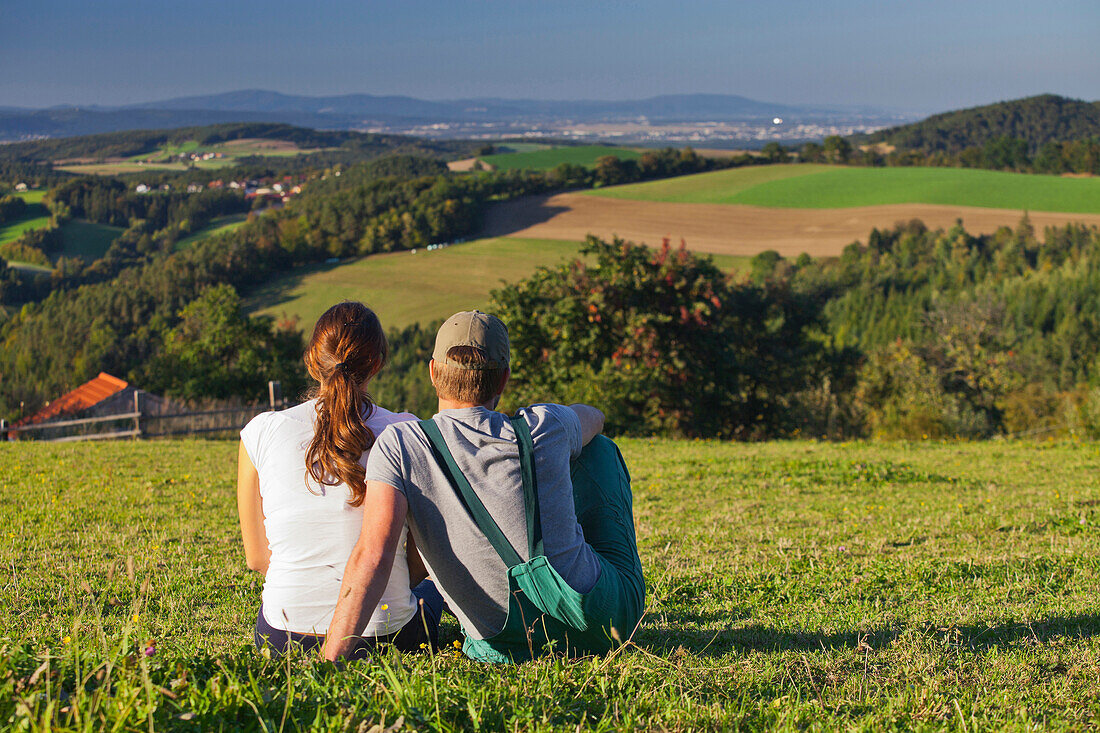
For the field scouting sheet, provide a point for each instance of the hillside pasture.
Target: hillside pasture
(87, 240)
(790, 585)
(421, 287)
(218, 225)
(792, 209)
(165, 157)
(834, 187)
(549, 158)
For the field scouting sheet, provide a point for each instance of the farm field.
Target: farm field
(218, 225)
(158, 159)
(832, 187)
(742, 211)
(792, 585)
(421, 287)
(549, 158)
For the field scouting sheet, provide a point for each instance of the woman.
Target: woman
(300, 492)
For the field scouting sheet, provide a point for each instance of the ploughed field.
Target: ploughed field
(790, 585)
(811, 208)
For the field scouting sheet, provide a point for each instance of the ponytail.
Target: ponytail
(347, 349)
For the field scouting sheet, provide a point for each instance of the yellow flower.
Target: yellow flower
(134, 618)
(423, 646)
(385, 606)
(458, 644)
(66, 640)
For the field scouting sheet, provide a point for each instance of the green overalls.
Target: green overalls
(544, 613)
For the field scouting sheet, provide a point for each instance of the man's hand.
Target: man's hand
(591, 422)
(368, 568)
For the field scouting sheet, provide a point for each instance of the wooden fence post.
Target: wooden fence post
(275, 394)
(138, 404)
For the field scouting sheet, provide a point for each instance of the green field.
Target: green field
(80, 238)
(33, 196)
(218, 225)
(87, 240)
(791, 585)
(542, 160)
(13, 230)
(406, 287)
(232, 150)
(829, 187)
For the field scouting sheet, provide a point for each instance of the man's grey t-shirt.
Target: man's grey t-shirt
(471, 576)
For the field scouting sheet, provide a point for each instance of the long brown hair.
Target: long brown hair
(346, 350)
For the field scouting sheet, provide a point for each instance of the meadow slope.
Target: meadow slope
(791, 585)
(416, 287)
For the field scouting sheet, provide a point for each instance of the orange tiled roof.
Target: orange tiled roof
(83, 397)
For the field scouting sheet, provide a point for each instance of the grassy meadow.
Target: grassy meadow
(217, 225)
(157, 160)
(417, 287)
(791, 585)
(549, 158)
(813, 186)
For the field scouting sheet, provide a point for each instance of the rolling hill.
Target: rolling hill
(1037, 120)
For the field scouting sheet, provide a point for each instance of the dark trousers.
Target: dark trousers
(422, 629)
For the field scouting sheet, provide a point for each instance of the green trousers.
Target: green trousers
(544, 613)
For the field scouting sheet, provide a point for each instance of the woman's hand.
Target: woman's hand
(251, 509)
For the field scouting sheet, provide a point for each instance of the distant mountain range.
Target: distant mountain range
(362, 111)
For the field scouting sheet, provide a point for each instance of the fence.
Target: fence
(141, 422)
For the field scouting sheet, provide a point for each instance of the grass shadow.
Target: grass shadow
(509, 217)
(666, 637)
(281, 289)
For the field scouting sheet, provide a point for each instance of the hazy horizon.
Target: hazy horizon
(919, 57)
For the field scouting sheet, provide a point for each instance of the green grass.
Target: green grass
(716, 187)
(33, 196)
(81, 238)
(406, 288)
(585, 155)
(830, 187)
(87, 240)
(218, 225)
(14, 230)
(791, 585)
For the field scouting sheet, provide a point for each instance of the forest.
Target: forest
(913, 333)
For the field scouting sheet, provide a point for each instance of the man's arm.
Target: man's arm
(591, 422)
(250, 507)
(368, 568)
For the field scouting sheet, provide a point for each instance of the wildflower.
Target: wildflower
(134, 618)
(423, 645)
(150, 648)
(66, 639)
(385, 606)
(457, 643)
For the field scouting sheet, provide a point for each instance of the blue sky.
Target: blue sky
(920, 55)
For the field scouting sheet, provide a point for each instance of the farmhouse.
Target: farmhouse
(104, 395)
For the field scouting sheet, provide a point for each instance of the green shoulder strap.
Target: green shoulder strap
(469, 499)
(530, 486)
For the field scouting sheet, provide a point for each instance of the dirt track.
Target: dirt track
(734, 229)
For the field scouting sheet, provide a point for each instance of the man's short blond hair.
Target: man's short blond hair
(472, 386)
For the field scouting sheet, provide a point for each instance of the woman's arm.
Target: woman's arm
(417, 570)
(250, 506)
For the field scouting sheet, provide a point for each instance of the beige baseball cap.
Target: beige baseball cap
(483, 331)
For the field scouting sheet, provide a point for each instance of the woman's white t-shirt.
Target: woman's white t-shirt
(311, 529)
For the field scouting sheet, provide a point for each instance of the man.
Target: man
(526, 524)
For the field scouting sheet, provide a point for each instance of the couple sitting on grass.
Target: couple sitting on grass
(367, 523)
